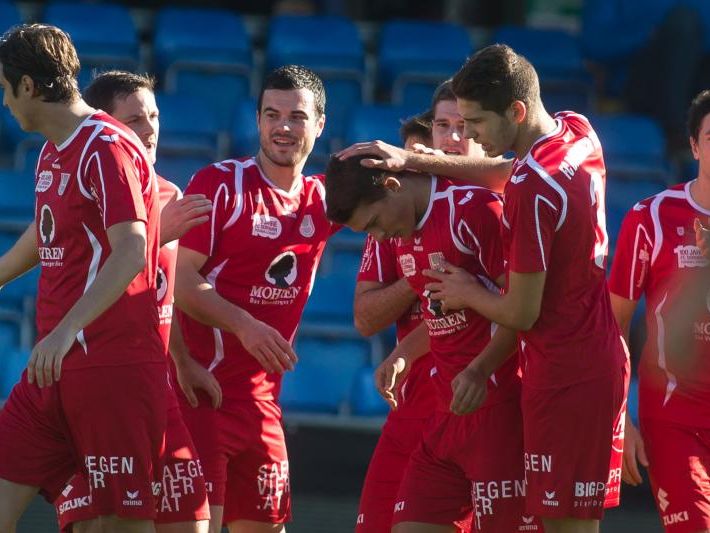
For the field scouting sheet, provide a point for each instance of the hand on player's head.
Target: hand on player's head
(386, 156)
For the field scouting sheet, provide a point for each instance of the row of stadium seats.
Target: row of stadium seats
(195, 47)
(190, 137)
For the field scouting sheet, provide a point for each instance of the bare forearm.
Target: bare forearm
(414, 345)
(498, 308)
(200, 300)
(21, 257)
(375, 309)
(120, 268)
(500, 348)
(486, 172)
(178, 348)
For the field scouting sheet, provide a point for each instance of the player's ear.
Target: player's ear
(694, 148)
(517, 111)
(320, 124)
(392, 183)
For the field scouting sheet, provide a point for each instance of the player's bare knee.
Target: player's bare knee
(250, 526)
(115, 524)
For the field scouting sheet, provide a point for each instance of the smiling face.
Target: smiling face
(288, 126)
(139, 112)
(495, 133)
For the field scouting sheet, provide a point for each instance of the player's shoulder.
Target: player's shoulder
(226, 172)
(315, 182)
(676, 196)
(108, 134)
(167, 187)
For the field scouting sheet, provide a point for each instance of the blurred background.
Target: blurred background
(632, 66)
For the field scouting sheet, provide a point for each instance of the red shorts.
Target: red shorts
(468, 470)
(399, 438)
(106, 422)
(182, 496)
(243, 452)
(679, 460)
(574, 442)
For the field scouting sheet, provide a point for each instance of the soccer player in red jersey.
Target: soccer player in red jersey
(182, 502)
(657, 256)
(575, 364)
(383, 296)
(242, 280)
(93, 398)
(461, 462)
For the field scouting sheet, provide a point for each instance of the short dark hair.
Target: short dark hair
(699, 108)
(103, 90)
(349, 185)
(45, 54)
(495, 77)
(295, 77)
(444, 92)
(419, 125)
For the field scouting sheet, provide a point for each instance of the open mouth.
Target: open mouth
(283, 142)
(452, 151)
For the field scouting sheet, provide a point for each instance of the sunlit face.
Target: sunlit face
(393, 216)
(139, 112)
(447, 131)
(701, 147)
(495, 133)
(19, 105)
(288, 126)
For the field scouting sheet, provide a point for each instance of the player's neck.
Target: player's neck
(700, 189)
(419, 187)
(537, 124)
(282, 177)
(59, 120)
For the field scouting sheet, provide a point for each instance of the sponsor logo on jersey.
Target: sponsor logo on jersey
(63, 182)
(576, 155)
(51, 256)
(283, 270)
(360, 518)
(74, 503)
(518, 179)
(418, 244)
(100, 466)
(161, 284)
(499, 489)
(680, 230)
(44, 181)
(535, 462)
(663, 502)
(466, 199)
(528, 524)
(407, 264)
(638, 206)
(307, 227)
(399, 506)
(436, 261)
(109, 138)
(67, 490)
(132, 499)
(272, 482)
(550, 499)
(689, 256)
(266, 226)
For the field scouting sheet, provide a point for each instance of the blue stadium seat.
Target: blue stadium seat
(634, 146)
(371, 122)
(557, 58)
(16, 195)
(340, 262)
(632, 403)
(245, 134)
(347, 239)
(12, 364)
(331, 300)
(25, 145)
(324, 375)
(205, 51)
(188, 125)
(365, 400)
(9, 15)
(415, 56)
(340, 64)
(621, 195)
(97, 47)
(180, 168)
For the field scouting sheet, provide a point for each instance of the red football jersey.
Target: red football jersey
(656, 255)
(100, 176)
(263, 246)
(462, 227)
(554, 221)
(379, 263)
(167, 259)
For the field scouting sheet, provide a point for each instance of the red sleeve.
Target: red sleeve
(479, 229)
(632, 259)
(209, 181)
(379, 262)
(533, 218)
(116, 179)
